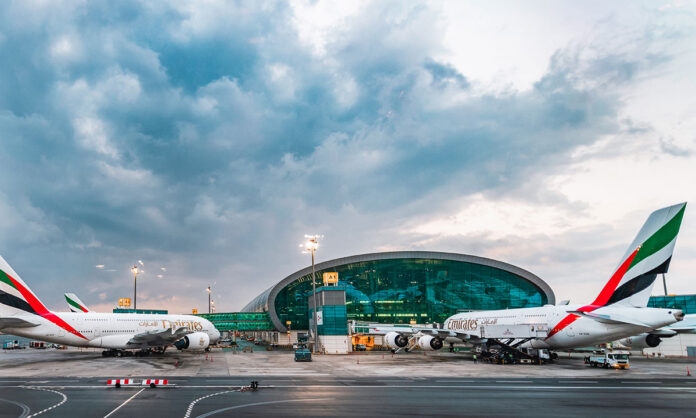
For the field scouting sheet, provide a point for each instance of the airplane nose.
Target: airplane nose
(678, 315)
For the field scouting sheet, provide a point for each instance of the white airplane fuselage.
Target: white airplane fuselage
(107, 330)
(567, 330)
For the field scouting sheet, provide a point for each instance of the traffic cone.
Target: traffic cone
(688, 373)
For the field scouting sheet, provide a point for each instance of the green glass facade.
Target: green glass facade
(240, 321)
(398, 291)
(141, 311)
(332, 310)
(687, 303)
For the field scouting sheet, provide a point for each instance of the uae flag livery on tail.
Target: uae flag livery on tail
(17, 298)
(75, 304)
(648, 255)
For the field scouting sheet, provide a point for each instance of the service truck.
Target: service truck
(614, 359)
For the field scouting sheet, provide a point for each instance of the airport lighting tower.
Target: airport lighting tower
(311, 246)
(209, 302)
(135, 286)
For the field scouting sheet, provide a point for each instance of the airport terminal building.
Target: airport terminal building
(405, 287)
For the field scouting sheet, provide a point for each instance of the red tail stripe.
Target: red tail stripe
(561, 325)
(613, 283)
(40, 309)
(603, 297)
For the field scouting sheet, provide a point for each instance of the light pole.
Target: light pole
(311, 245)
(209, 303)
(135, 287)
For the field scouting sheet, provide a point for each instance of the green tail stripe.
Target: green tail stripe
(659, 239)
(75, 304)
(5, 279)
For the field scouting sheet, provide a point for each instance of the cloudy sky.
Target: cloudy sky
(206, 138)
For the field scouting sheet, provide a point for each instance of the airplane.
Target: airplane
(653, 338)
(75, 304)
(23, 314)
(619, 311)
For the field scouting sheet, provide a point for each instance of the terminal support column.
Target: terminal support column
(314, 295)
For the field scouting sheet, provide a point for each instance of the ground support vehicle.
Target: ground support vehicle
(609, 360)
(11, 345)
(303, 354)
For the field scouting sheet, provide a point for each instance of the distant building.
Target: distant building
(682, 345)
(141, 311)
(405, 287)
(687, 303)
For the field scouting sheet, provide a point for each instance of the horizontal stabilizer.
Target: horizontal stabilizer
(610, 319)
(14, 322)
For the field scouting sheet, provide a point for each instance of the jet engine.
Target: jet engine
(429, 343)
(195, 341)
(641, 341)
(395, 340)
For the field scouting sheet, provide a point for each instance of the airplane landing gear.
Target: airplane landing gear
(116, 353)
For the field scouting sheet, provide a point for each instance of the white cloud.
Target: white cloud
(92, 134)
(127, 176)
(318, 23)
(66, 49)
(283, 81)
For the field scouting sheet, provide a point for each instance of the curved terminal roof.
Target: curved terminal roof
(265, 302)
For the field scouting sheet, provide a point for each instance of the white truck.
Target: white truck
(614, 359)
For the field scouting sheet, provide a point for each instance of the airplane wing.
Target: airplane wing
(435, 332)
(159, 338)
(685, 326)
(14, 322)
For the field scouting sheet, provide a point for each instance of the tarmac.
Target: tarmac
(54, 383)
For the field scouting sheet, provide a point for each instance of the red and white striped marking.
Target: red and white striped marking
(122, 382)
(157, 382)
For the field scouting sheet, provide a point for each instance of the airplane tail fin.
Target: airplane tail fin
(648, 255)
(16, 300)
(75, 304)
(15, 295)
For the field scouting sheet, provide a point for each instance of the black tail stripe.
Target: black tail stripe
(632, 287)
(15, 302)
(639, 283)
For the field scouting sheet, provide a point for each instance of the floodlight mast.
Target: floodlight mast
(311, 245)
(135, 287)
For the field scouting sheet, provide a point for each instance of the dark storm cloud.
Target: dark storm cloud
(209, 139)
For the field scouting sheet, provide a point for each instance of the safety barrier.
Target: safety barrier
(153, 383)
